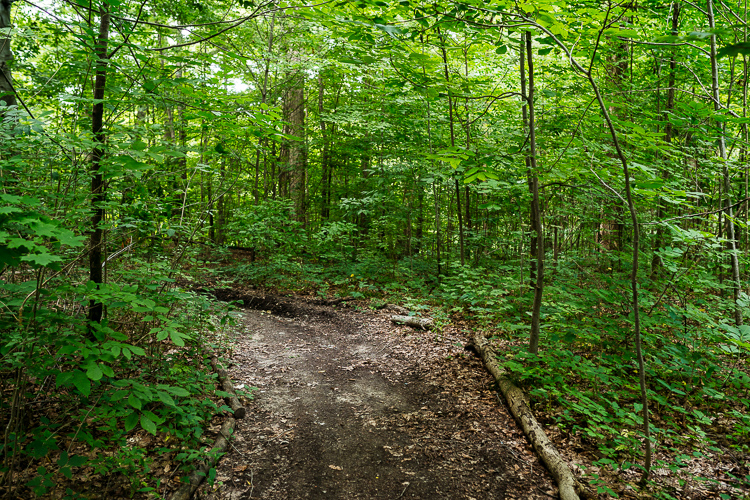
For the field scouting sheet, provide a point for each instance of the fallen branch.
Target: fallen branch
(413, 321)
(187, 490)
(570, 488)
(225, 383)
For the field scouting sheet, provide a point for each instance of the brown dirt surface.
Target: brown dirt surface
(350, 406)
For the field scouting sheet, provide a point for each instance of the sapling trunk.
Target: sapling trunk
(453, 144)
(98, 187)
(536, 216)
(587, 72)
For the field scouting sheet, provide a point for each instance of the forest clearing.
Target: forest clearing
(374, 249)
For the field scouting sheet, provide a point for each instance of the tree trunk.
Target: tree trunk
(566, 482)
(7, 94)
(669, 133)
(453, 144)
(294, 151)
(324, 154)
(98, 193)
(731, 242)
(413, 321)
(536, 216)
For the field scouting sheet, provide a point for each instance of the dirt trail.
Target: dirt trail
(350, 407)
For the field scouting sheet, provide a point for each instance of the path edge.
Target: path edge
(187, 490)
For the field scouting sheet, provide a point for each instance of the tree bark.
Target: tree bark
(98, 193)
(453, 144)
(413, 321)
(669, 133)
(294, 151)
(7, 94)
(225, 383)
(536, 215)
(196, 478)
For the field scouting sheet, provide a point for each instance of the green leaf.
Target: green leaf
(41, 259)
(138, 351)
(63, 378)
(165, 398)
(734, 50)
(82, 382)
(77, 460)
(178, 391)
(107, 371)
(177, 338)
(130, 421)
(148, 425)
(94, 372)
(118, 395)
(135, 402)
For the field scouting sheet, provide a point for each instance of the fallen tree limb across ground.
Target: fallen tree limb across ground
(570, 488)
(413, 321)
(225, 383)
(187, 490)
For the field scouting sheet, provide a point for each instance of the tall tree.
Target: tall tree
(294, 150)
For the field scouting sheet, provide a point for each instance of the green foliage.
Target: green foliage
(587, 376)
(269, 228)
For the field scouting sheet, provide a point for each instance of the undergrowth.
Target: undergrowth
(99, 409)
(585, 378)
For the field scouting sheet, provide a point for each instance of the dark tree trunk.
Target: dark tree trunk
(669, 133)
(98, 193)
(7, 94)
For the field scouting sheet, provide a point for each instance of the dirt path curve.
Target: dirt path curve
(350, 407)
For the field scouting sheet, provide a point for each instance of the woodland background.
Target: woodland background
(571, 176)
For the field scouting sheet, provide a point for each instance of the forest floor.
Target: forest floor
(351, 406)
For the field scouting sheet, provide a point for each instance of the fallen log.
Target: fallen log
(413, 321)
(187, 490)
(238, 410)
(570, 488)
